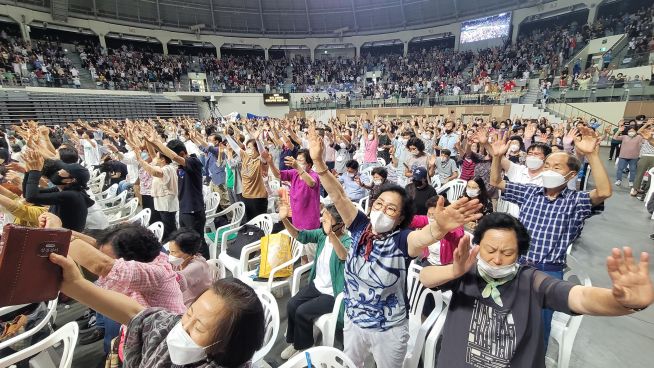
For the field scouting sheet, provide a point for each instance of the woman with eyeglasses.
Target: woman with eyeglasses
(376, 308)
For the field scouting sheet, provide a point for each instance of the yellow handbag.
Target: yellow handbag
(275, 250)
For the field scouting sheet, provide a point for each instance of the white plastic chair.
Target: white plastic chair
(211, 203)
(650, 191)
(429, 352)
(96, 184)
(125, 213)
(564, 326)
(264, 222)
(364, 204)
(381, 161)
(418, 329)
(322, 357)
(112, 203)
(272, 284)
(325, 325)
(142, 218)
(237, 212)
(454, 188)
(217, 269)
(271, 319)
(158, 229)
(67, 334)
(111, 192)
(436, 181)
(52, 311)
(274, 185)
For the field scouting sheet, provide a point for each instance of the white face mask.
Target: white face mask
(377, 182)
(496, 272)
(514, 148)
(533, 163)
(351, 175)
(370, 137)
(381, 222)
(250, 152)
(183, 139)
(472, 193)
(175, 261)
(552, 179)
(426, 136)
(181, 347)
(632, 134)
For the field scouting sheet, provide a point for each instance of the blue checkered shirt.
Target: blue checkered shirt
(552, 224)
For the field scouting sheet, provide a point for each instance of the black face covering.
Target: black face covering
(419, 183)
(448, 131)
(56, 179)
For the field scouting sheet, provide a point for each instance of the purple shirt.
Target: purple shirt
(305, 201)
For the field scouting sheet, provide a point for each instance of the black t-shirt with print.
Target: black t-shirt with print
(480, 333)
(190, 185)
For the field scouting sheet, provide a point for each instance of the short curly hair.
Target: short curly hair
(503, 221)
(131, 242)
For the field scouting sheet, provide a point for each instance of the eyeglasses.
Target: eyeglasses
(389, 209)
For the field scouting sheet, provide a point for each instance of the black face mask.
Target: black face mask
(418, 183)
(56, 179)
(448, 131)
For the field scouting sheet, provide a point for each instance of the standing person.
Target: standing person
(214, 167)
(420, 191)
(68, 200)
(629, 153)
(418, 158)
(646, 160)
(449, 140)
(304, 193)
(253, 166)
(164, 189)
(615, 146)
(376, 265)
(385, 145)
(371, 142)
(189, 180)
(553, 214)
(91, 150)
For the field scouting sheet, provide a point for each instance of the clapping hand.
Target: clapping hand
(33, 160)
(632, 286)
(456, 214)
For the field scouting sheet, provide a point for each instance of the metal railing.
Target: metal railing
(605, 92)
(369, 102)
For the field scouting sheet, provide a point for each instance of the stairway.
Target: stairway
(534, 111)
(532, 95)
(84, 75)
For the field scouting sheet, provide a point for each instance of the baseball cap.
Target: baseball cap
(419, 173)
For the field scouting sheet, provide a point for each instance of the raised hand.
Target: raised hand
(316, 144)
(570, 137)
(464, 258)
(456, 214)
(632, 286)
(290, 161)
(587, 142)
(530, 130)
(499, 147)
(283, 210)
(33, 160)
(480, 136)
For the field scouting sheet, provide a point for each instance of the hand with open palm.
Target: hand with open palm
(456, 214)
(463, 257)
(632, 286)
(587, 142)
(316, 144)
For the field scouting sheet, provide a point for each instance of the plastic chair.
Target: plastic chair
(211, 203)
(322, 357)
(364, 204)
(158, 229)
(96, 184)
(142, 218)
(381, 161)
(271, 312)
(125, 213)
(217, 269)
(112, 203)
(429, 352)
(274, 185)
(109, 193)
(52, 311)
(418, 329)
(264, 222)
(651, 187)
(67, 334)
(237, 212)
(564, 326)
(272, 284)
(454, 188)
(436, 181)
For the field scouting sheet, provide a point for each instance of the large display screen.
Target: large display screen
(276, 98)
(486, 28)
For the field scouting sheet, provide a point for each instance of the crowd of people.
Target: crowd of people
(161, 302)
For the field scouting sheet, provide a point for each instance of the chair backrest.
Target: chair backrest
(296, 246)
(271, 319)
(217, 269)
(263, 222)
(158, 229)
(455, 189)
(52, 309)
(322, 357)
(365, 203)
(142, 218)
(274, 185)
(571, 323)
(586, 177)
(67, 334)
(381, 161)
(110, 192)
(651, 186)
(211, 203)
(436, 181)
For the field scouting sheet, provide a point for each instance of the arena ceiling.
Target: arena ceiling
(290, 18)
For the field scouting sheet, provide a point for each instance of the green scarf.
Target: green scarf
(492, 284)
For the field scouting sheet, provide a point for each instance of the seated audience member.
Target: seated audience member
(476, 188)
(491, 289)
(68, 200)
(25, 213)
(348, 179)
(419, 190)
(222, 328)
(326, 280)
(128, 259)
(444, 167)
(379, 179)
(184, 246)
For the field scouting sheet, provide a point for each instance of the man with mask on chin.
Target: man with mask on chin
(68, 199)
(553, 214)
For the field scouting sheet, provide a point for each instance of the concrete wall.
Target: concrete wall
(609, 111)
(252, 103)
